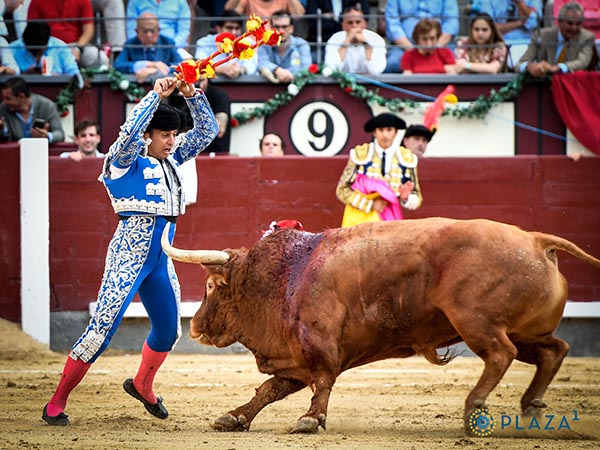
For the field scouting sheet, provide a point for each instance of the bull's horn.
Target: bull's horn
(192, 256)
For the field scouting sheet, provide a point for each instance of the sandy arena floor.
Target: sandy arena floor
(394, 404)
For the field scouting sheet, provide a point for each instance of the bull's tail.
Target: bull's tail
(552, 243)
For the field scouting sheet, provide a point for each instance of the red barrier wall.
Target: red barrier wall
(238, 197)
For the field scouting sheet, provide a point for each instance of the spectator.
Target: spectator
(427, 57)
(565, 48)
(150, 54)
(199, 23)
(230, 22)
(8, 65)
(272, 144)
(221, 106)
(14, 19)
(516, 20)
(39, 53)
(484, 50)
(113, 20)
(591, 14)
(331, 11)
(141, 175)
(402, 16)
(24, 114)
(380, 176)
(265, 8)
(417, 138)
(355, 49)
(174, 17)
(281, 63)
(87, 139)
(73, 23)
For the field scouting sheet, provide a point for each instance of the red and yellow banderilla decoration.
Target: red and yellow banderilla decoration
(435, 110)
(229, 47)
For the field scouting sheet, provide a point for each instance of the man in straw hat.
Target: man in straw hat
(380, 177)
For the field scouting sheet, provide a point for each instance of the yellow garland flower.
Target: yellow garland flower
(253, 23)
(227, 46)
(247, 54)
(271, 37)
(241, 46)
(208, 72)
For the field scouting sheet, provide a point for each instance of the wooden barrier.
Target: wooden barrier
(239, 197)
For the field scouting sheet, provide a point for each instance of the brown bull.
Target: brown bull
(310, 306)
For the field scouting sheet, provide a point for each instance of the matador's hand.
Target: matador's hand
(187, 89)
(165, 86)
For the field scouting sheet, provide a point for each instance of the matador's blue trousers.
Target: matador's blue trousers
(135, 263)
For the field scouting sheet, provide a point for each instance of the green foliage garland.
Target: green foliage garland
(118, 81)
(477, 109)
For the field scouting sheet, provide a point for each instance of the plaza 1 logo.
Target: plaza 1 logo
(482, 422)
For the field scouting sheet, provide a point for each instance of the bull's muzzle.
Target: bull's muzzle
(192, 256)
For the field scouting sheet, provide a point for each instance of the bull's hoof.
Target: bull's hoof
(480, 422)
(479, 404)
(229, 422)
(306, 425)
(535, 408)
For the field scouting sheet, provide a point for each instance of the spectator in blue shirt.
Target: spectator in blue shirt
(401, 17)
(174, 17)
(149, 54)
(281, 63)
(39, 53)
(8, 65)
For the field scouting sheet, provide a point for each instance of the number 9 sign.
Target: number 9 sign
(319, 129)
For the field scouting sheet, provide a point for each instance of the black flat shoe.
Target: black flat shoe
(157, 409)
(61, 420)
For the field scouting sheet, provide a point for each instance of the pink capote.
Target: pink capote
(368, 185)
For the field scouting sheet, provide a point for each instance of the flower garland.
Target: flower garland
(229, 47)
(348, 83)
(118, 81)
(190, 71)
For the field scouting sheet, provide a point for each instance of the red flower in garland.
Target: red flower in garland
(188, 71)
(313, 68)
(348, 89)
(271, 37)
(206, 69)
(234, 123)
(225, 42)
(242, 49)
(65, 113)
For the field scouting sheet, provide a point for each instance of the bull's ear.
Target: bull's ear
(217, 273)
(220, 279)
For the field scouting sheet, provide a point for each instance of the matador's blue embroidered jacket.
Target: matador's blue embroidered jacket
(136, 183)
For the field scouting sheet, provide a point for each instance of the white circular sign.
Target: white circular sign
(319, 129)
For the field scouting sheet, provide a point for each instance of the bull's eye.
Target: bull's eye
(209, 286)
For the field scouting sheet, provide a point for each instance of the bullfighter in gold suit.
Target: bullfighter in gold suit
(380, 177)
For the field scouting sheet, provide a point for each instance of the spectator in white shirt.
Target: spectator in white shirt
(355, 49)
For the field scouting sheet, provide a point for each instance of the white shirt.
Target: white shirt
(355, 60)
